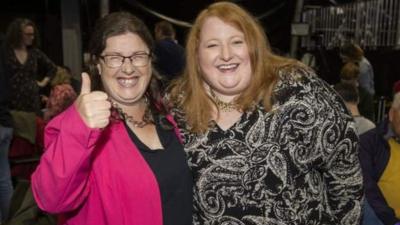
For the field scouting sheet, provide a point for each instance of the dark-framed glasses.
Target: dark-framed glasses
(137, 59)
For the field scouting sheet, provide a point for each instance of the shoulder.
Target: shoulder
(301, 83)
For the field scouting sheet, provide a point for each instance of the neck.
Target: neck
(225, 106)
(353, 109)
(138, 115)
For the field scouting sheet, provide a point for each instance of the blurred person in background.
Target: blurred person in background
(29, 69)
(169, 54)
(351, 52)
(380, 161)
(62, 94)
(350, 74)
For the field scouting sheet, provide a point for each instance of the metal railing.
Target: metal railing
(372, 24)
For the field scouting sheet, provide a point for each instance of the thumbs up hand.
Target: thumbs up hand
(93, 107)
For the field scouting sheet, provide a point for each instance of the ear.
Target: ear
(390, 114)
(98, 68)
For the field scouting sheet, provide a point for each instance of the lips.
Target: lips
(228, 67)
(128, 82)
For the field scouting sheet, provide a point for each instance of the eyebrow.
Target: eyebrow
(134, 53)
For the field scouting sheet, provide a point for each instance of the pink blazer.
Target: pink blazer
(93, 176)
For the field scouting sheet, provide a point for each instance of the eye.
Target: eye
(114, 57)
(238, 42)
(211, 45)
(139, 56)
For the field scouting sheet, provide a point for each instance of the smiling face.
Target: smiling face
(224, 58)
(126, 84)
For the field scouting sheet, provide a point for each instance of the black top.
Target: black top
(173, 175)
(24, 90)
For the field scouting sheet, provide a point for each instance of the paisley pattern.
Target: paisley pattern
(296, 164)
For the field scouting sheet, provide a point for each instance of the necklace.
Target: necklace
(223, 106)
(147, 118)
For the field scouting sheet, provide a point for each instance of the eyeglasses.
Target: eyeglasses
(137, 59)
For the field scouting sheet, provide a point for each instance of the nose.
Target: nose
(127, 66)
(226, 53)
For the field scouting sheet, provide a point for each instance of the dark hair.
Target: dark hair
(14, 34)
(165, 28)
(348, 92)
(352, 51)
(119, 23)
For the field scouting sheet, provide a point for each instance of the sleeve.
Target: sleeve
(46, 67)
(374, 195)
(324, 126)
(61, 182)
(337, 140)
(342, 170)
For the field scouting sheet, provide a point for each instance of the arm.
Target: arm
(335, 138)
(342, 172)
(46, 68)
(368, 146)
(332, 137)
(61, 182)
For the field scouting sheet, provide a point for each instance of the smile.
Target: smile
(227, 67)
(128, 82)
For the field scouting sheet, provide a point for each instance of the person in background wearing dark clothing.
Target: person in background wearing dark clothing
(351, 52)
(350, 73)
(6, 132)
(380, 162)
(29, 69)
(170, 56)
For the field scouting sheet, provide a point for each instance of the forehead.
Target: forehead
(214, 27)
(28, 28)
(127, 42)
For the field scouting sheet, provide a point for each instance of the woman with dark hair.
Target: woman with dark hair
(267, 141)
(114, 157)
(29, 69)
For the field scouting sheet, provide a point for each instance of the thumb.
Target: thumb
(85, 88)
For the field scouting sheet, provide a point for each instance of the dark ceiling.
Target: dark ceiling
(275, 15)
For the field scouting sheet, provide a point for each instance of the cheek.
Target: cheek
(206, 58)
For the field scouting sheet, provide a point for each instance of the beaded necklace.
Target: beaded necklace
(147, 118)
(223, 106)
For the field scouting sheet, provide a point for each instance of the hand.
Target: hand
(93, 107)
(43, 82)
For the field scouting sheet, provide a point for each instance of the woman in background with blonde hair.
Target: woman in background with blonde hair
(268, 142)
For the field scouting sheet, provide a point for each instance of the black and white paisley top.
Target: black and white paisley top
(296, 164)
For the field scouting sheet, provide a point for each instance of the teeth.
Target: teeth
(227, 66)
(128, 82)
